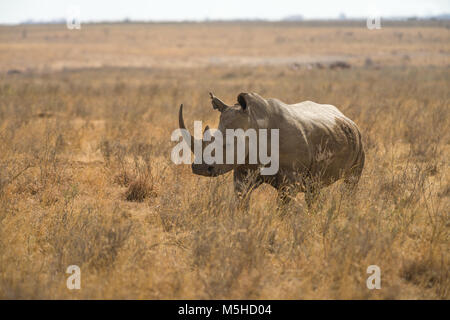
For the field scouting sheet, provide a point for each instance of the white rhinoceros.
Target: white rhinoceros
(318, 145)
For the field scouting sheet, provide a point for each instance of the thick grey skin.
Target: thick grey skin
(318, 145)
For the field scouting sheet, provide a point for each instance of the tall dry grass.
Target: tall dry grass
(74, 146)
(86, 179)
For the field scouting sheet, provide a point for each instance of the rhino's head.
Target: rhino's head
(233, 117)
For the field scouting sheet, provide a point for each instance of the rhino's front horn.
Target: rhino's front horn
(182, 126)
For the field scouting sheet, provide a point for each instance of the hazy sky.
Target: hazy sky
(15, 11)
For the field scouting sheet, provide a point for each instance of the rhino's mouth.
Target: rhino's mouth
(211, 171)
(204, 170)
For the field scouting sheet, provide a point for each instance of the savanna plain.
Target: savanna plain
(86, 179)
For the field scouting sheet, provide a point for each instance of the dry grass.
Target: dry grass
(191, 45)
(78, 145)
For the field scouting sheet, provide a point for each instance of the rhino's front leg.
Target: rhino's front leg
(245, 181)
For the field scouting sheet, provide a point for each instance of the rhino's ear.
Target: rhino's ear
(217, 103)
(256, 107)
(242, 100)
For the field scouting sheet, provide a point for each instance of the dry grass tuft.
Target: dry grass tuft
(138, 190)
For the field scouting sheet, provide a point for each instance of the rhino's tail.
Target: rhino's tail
(352, 177)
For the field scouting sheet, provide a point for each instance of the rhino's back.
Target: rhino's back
(308, 112)
(317, 137)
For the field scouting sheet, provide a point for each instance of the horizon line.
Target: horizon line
(288, 19)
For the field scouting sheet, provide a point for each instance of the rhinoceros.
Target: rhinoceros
(318, 145)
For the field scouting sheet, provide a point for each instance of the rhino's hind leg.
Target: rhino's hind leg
(312, 185)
